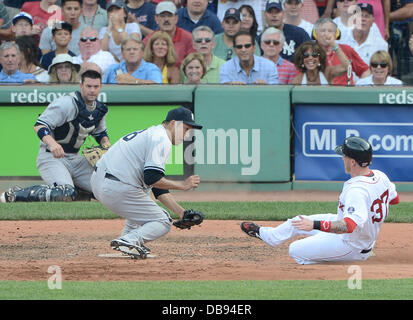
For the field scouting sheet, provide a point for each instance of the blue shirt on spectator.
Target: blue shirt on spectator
(145, 71)
(17, 77)
(145, 15)
(263, 69)
(208, 19)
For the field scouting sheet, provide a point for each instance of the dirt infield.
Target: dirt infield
(217, 250)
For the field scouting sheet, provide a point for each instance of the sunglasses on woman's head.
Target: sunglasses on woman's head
(381, 64)
(274, 42)
(199, 40)
(313, 54)
(92, 39)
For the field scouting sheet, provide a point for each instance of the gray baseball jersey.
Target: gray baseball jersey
(119, 184)
(70, 122)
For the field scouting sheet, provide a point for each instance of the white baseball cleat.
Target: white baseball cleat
(132, 250)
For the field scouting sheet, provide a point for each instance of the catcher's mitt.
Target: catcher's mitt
(190, 218)
(93, 154)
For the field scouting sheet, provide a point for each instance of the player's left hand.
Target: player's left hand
(303, 224)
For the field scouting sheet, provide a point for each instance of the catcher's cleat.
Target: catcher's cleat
(251, 228)
(130, 249)
(9, 195)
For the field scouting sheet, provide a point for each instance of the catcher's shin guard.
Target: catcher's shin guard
(40, 193)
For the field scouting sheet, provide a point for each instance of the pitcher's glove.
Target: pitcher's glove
(93, 154)
(190, 218)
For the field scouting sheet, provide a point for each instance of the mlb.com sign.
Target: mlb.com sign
(389, 140)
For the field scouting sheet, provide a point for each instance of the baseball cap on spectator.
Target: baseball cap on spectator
(183, 114)
(165, 6)
(232, 13)
(22, 15)
(61, 58)
(61, 25)
(117, 3)
(274, 4)
(366, 6)
(299, 1)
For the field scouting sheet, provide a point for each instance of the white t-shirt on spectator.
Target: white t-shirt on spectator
(113, 47)
(368, 81)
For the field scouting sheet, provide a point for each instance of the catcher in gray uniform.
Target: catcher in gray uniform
(131, 168)
(62, 129)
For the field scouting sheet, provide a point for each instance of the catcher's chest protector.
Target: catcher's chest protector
(72, 135)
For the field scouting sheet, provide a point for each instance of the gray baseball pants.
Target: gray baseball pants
(145, 220)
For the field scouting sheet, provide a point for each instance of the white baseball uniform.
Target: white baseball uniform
(365, 200)
(118, 183)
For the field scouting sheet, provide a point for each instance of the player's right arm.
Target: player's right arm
(44, 135)
(187, 184)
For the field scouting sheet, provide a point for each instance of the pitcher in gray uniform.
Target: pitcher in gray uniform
(62, 129)
(134, 166)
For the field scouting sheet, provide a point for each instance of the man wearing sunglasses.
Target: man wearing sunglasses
(231, 25)
(361, 38)
(90, 47)
(203, 42)
(246, 67)
(294, 36)
(272, 41)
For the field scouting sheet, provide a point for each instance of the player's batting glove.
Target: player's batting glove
(189, 219)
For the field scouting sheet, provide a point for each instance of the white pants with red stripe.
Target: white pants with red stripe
(317, 247)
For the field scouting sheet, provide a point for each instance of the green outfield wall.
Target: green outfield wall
(247, 142)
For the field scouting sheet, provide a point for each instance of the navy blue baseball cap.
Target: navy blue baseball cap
(183, 114)
(274, 4)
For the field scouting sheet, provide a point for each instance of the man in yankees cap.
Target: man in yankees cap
(349, 235)
(132, 168)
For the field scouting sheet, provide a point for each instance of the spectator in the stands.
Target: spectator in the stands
(61, 36)
(160, 51)
(361, 38)
(274, 15)
(272, 41)
(194, 68)
(43, 12)
(9, 60)
(326, 34)
(133, 69)
(347, 18)
(93, 15)
(143, 13)
(91, 50)
(311, 61)
(71, 12)
(166, 17)
(5, 24)
(245, 67)
(63, 70)
(90, 66)
(23, 25)
(28, 58)
(118, 29)
(196, 14)
(224, 42)
(381, 68)
(203, 42)
(248, 19)
(293, 11)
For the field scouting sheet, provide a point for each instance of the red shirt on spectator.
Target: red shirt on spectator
(182, 42)
(40, 17)
(357, 64)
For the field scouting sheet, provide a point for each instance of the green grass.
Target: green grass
(399, 289)
(276, 211)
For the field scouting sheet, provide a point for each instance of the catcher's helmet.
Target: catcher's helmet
(358, 149)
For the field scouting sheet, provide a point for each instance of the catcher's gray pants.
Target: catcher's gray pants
(73, 169)
(145, 220)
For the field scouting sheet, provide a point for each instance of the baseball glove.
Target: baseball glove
(189, 219)
(93, 154)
